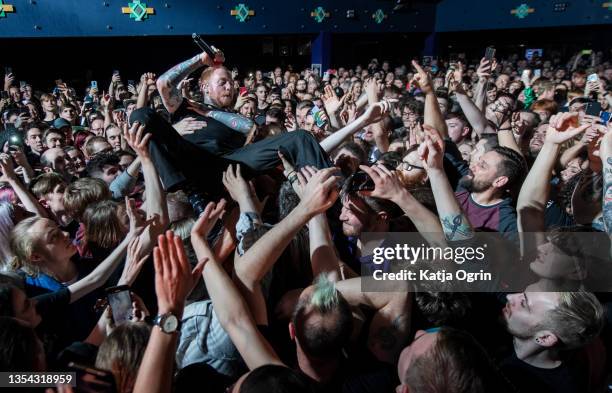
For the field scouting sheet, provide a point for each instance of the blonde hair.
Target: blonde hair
(577, 319)
(23, 244)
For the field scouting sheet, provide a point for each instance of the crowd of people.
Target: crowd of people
(230, 209)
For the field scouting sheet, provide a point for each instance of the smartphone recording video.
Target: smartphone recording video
(120, 302)
(489, 53)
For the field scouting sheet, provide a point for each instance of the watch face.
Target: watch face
(169, 324)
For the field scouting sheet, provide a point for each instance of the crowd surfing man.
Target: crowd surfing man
(94, 187)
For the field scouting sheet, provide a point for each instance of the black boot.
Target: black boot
(196, 198)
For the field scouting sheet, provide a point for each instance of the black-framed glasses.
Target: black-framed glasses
(406, 166)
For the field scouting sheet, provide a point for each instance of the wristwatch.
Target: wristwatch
(168, 323)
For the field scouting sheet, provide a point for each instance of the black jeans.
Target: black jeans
(178, 160)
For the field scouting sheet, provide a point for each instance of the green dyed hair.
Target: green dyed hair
(324, 296)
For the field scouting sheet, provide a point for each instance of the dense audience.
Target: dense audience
(229, 208)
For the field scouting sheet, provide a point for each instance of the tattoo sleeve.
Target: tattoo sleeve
(607, 195)
(171, 96)
(456, 227)
(234, 121)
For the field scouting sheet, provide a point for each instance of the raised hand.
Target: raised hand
(563, 127)
(320, 192)
(484, 69)
(7, 168)
(592, 133)
(330, 100)
(106, 101)
(241, 191)
(377, 111)
(150, 78)
(8, 81)
(422, 79)
(136, 217)
(134, 262)
(373, 88)
(457, 74)
(416, 134)
(217, 60)
(387, 184)
(174, 278)
(116, 78)
(19, 157)
(206, 221)
(137, 142)
(290, 123)
(431, 150)
(240, 100)
(134, 90)
(235, 184)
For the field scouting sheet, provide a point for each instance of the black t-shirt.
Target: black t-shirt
(569, 377)
(216, 137)
(556, 216)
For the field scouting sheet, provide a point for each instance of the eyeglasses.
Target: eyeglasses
(406, 166)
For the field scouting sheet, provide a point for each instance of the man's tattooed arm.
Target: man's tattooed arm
(607, 195)
(234, 121)
(456, 227)
(168, 82)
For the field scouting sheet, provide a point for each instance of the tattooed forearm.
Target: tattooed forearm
(170, 79)
(233, 120)
(456, 227)
(607, 195)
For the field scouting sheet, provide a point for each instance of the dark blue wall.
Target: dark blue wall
(70, 18)
(103, 18)
(460, 15)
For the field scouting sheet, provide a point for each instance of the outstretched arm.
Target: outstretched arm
(103, 271)
(454, 222)
(388, 186)
(532, 199)
(230, 307)
(155, 196)
(8, 175)
(372, 114)
(474, 115)
(146, 80)
(432, 115)
(318, 196)
(235, 121)
(480, 91)
(174, 279)
(167, 84)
